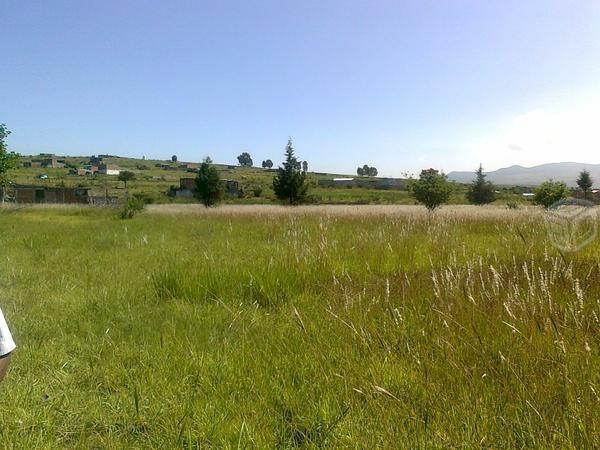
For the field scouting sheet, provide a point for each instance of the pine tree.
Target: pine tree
(290, 182)
(481, 191)
(585, 182)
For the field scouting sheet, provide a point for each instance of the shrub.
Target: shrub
(133, 205)
(550, 192)
(148, 198)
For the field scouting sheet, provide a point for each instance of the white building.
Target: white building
(108, 169)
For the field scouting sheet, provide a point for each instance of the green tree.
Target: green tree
(290, 182)
(432, 188)
(174, 158)
(304, 166)
(209, 187)
(267, 164)
(585, 182)
(245, 159)
(481, 191)
(550, 192)
(366, 171)
(8, 160)
(126, 176)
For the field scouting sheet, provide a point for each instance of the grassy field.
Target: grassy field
(359, 328)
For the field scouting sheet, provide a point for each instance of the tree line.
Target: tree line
(289, 184)
(432, 189)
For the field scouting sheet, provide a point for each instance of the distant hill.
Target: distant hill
(533, 176)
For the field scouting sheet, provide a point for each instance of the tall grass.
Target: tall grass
(297, 329)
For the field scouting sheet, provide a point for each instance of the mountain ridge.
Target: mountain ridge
(514, 175)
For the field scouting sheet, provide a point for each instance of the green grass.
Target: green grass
(296, 330)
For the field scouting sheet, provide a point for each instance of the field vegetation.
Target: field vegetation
(363, 328)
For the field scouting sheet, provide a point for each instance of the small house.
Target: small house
(189, 166)
(44, 194)
(52, 163)
(36, 164)
(108, 169)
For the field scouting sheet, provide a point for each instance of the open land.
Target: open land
(263, 326)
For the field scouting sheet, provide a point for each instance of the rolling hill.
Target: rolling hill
(533, 176)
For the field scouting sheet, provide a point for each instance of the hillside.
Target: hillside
(532, 176)
(154, 178)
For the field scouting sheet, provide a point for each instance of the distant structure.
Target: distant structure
(85, 170)
(36, 164)
(53, 163)
(108, 169)
(48, 161)
(376, 183)
(43, 194)
(190, 167)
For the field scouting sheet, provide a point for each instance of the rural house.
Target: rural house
(50, 162)
(43, 194)
(190, 167)
(53, 163)
(109, 169)
(372, 183)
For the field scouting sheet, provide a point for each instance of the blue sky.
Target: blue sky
(397, 85)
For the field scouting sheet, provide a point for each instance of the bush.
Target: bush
(147, 198)
(550, 192)
(133, 205)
